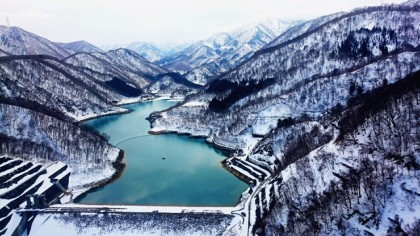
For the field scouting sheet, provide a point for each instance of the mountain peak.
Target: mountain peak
(17, 41)
(80, 46)
(273, 26)
(147, 50)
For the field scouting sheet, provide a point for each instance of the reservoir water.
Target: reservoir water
(163, 169)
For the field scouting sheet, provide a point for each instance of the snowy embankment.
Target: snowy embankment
(80, 117)
(90, 177)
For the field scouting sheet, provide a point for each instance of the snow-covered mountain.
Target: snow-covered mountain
(223, 51)
(78, 86)
(83, 85)
(146, 50)
(79, 46)
(17, 41)
(299, 29)
(133, 69)
(120, 63)
(58, 89)
(149, 51)
(343, 50)
(321, 96)
(45, 91)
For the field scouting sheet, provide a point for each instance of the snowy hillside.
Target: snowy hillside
(4, 53)
(172, 84)
(17, 41)
(79, 46)
(79, 86)
(120, 63)
(223, 51)
(113, 75)
(133, 69)
(306, 75)
(36, 137)
(289, 100)
(54, 88)
(299, 29)
(128, 58)
(365, 180)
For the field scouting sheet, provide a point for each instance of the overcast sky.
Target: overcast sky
(159, 21)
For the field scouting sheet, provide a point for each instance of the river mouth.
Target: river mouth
(163, 170)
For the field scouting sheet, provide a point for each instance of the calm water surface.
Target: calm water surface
(163, 169)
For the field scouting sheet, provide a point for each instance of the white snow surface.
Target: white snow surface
(266, 119)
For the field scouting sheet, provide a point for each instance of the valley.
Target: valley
(275, 128)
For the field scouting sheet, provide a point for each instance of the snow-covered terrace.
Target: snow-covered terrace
(19, 179)
(246, 169)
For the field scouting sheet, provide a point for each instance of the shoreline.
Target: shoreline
(120, 104)
(119, 166)
(127, 110)
(220, 147)
(177, 133)
(103, 115)
(228, 150)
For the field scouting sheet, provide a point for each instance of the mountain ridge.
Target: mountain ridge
(107, 78)
(150, 51)
(15, 40)
(80, 46)
(219, 53)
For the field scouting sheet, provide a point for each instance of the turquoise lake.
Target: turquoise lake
(164, 169)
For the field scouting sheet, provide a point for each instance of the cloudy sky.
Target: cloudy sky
(159, 21)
